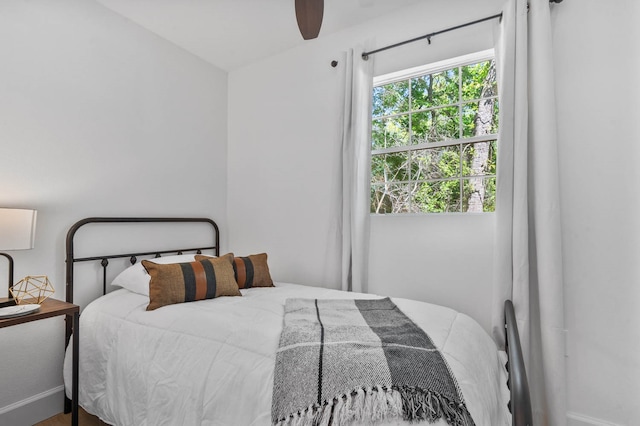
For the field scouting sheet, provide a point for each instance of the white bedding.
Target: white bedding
(211, 362)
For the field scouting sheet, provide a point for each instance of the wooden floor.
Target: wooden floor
(84, 419)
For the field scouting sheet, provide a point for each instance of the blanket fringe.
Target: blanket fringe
(423, 405)
(376, 404)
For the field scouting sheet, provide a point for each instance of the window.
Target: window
(434, 138)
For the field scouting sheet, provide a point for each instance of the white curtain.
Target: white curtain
(355, 170)
(528, 237)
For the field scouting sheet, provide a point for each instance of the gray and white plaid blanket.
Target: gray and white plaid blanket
(342, 361)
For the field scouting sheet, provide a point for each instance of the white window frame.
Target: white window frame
(433, 68)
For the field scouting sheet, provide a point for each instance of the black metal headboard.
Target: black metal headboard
(104, 259)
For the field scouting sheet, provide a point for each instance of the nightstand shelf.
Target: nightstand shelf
(53, 308)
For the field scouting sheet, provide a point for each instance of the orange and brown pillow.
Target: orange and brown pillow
(250, 271)
(205, 278)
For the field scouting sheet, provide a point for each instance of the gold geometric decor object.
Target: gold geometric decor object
(32, 289)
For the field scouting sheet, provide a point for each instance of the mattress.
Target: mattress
(211, 362)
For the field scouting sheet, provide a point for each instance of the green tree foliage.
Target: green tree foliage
(421, 161)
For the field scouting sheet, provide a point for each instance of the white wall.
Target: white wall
(597, 65)
(446, 260)
(97, 117)
(284, 167)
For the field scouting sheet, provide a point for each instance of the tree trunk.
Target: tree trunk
(483, 125)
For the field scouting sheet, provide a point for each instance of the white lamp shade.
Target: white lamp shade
(17, 229)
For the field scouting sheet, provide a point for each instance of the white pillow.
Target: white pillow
(136, 279)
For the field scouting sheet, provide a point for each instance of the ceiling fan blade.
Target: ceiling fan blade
(309, 15)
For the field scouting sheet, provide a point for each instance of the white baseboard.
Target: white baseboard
(33, 409)
(575, 419)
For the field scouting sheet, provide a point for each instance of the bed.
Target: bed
(215, 361)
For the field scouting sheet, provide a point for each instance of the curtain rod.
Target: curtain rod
(365, 55)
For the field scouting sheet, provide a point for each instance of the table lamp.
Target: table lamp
(17, 232)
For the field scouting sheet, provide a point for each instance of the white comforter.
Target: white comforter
(211, 362)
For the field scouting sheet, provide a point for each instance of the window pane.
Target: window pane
(489, 201)
(480, 118)
(378, 140)
(435, 125)
(469, 112)
(479, 195)
(389, 132)
(390, 198)
(391, 99)
(435, 89)
(422, 127)
(380, 203)
(448, 123)
(436, 163)
(377, 168)
(479, 159)
(496, 114)
(386, 168)
(437, 197)
(479, 80)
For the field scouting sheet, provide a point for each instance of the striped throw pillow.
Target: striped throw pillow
(187, 282)
(250, 271)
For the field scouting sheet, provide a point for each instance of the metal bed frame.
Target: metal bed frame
(520, 404)
(71, 260)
